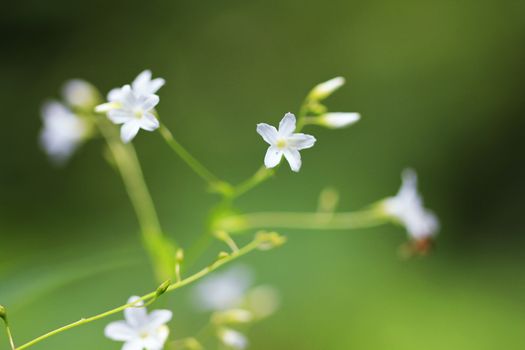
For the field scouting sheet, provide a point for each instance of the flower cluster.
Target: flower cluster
(65, 126)
(133, 105)
(234, 304)
(285, 142)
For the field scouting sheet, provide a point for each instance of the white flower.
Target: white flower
(407, 207)
(233, 339)
(140, 330)
(134, 112)
(62, 132)
(284, 142)
(79, 93)
(323, 90)
(338, 120)
(224, 290)
(142, 85)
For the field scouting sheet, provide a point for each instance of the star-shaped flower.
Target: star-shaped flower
(407, 208)
(134, 112)
(63, 131)
(140, 330)
(284, 142)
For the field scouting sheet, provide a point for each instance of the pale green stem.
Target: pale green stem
(159, 249)
(150, 296)
(9, 335)
(213, 181)
(304, 221)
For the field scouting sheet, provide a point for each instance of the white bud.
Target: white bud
(233, 339)
(80, 93)
(323, 90)
(338, 120)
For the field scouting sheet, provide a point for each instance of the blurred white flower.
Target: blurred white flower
(140, 330)
(223, 290)
(134, 112)
(62, 131)
(407, 208)
(338, 120)
(284, 142)
(80, 93)
(262, 301)
(325, 89)
(233, 339)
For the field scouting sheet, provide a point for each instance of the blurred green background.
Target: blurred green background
(440, 88)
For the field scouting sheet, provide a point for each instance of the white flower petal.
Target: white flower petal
(339, 119)
(119, 331)
(136, 316)
(119, 116)
(159, 317)
(294, 159)
(133, 345)
(273, 157)
(115, 95)
(129, 130)
(268, 132)
(54, 108)
(148, 122)
(150, 102)
(79, 93)
(287, 125)
(156, 84)
(142, 80)
(301, 141)
(156, 340)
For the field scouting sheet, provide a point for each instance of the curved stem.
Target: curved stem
(150, 296)
(213, 181)
(160, 250)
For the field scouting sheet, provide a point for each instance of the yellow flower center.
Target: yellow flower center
(281, 143)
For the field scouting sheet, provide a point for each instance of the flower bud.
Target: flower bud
(338, 120)
(263, 301)
(232, 316)
(232, 338)
(3, 313)
(269, 240)
(80, 93)
(163, 288)
(179, 256)
(323, 90)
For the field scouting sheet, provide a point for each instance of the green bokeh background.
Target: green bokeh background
(440, 88)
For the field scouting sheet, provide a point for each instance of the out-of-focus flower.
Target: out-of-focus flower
(337, 120)
(140, 330)
(284, 142)
(407, 208)
(223, 290)
(62, 132)
(262, 301)
(134, 112)
(232, 339)
(325, 89)
(79, 93)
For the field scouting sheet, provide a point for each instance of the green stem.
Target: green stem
(213, 181)
(160, 250)
(304, 221)
(260, 176)
(150, 296)
(9, 335)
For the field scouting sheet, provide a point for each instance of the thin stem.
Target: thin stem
(150, 296)
(9, 335)
(304, 221)
(260, 176)
(159, 249)
(213, 181)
